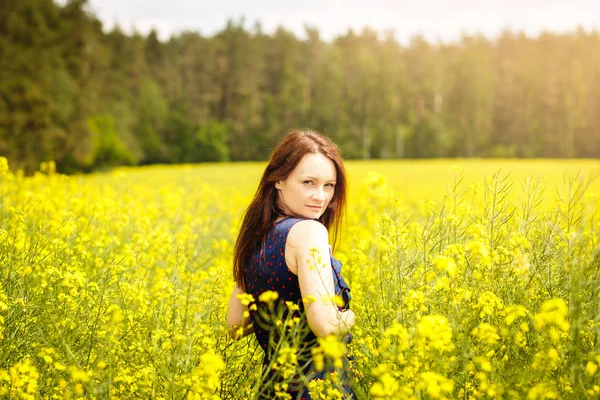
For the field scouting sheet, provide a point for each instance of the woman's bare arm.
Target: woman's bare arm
(309, 242)
(238, 316)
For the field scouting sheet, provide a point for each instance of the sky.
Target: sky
(436, 20)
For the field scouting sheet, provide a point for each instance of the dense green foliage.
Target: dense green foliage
(90, 99)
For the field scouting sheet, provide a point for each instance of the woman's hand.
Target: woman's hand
(238, 316)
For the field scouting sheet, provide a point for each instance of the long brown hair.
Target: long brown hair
(264, 209)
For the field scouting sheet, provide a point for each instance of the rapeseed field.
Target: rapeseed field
(470, 280)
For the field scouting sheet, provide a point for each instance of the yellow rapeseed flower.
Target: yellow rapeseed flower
(268, 297)
(24, 378)
(333, 348)
(435, 331)
(542, 391)
(552, 313)
(488, 304)
(445, 264)
(386, 387)
(486, 333)
(3, 165)
(78, 375)
(513, 312)
(245, 298)
(435, 385)
(591, 368)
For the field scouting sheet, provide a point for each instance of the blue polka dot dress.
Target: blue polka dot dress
(267, 270)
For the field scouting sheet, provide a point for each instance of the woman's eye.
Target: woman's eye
(331, 185)
(307, 182)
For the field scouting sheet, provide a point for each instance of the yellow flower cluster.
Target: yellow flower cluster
(553, 313)
(434, 332)
(21, 381)
(116, 286)
(268, 297)
(329, 349)
(324, 389)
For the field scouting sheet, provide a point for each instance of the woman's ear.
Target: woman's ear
(278, 185)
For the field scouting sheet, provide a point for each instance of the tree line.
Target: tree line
(88, 98)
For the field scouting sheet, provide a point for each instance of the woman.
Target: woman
(283, 247)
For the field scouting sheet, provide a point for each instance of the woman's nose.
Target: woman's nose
(319, 194)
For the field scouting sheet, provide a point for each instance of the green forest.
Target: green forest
(90, 98)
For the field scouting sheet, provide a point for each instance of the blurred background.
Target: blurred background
(93, 84)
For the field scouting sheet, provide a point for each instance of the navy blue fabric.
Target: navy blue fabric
(268, 270)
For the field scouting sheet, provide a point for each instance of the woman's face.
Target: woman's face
(309, 188)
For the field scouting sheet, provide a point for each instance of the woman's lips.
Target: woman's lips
(316, 208)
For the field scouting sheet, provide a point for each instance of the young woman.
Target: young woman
(283, 247)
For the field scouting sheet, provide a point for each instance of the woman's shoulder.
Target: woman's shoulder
(307, 230)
